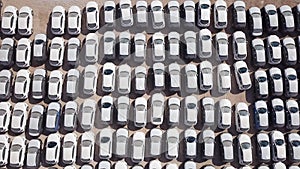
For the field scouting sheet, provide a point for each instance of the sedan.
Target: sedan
(35, 126)
(53, 117)
(91, 48)
(239, 45)
(221, 45)
(157, 107)
(140, 79)
(190, 138)
(90, 78)
(88, 112)
(204, 11)
(138, 147)
(69, 148)
(191, 110)
(294, 146)
(124, 79)
(244, 149)
(261, 84)
(258, 52)
(70, 116)
(286, 18)
(140, 108)
(57, 50)
(124, 45)
(242, 75)
(255, 20)
(52, 147)
(289, 51)
(38, 87)
(174, 13)
(220, 14)
(58, 19)
(73, 52)
(158, 42)
(5, 113)
(92, 15)
(224, 114)
(74, 20)
(40, 45)
(17, 152)
(175, 77)
(278, 146)
(140, 47)
(276, 81)
(109, 43)
(9, 20)
(4, 149)
(33, 153)
(106, 109)
(172, 145)
(191, 78)
(208, 110)
(290, 82)
(158, 18)
(278, 112)
(122, 139)
(264, 150)
(109, 13)
(242, 119)
(123, 106)
(189, 13)
(25, 21)
(292, 114)
(206, 76)
(205, 43)
(224, 78)
(174, 110)
(227, 147)
(87, 147)
(155, 142)
(159, 75)
(271, 17)
(109, 75)
(273, 50)
(190, 45)
(6, 52)
(22, 84)
(5, 84)
(208, 137)
(126, 13)
(23, 53)
(174, 45)
(55, 85)
(142, 13)
(72, 83)
(239, 14)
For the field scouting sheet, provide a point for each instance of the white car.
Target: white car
(159, 75)
(244, 149)
(190, 138)
(109, 73)
(58, 19)
(293, 146)
(23, 53)
(140, 79)
(57, 50)
(92, 15)
(124, 45)
(105, 143)
(5, 84)
(122, 140)
(291, 82)
(109, 13)
(220, 14)
(157, 107)
(90, 78)
(261, 84)
(174, 13)
(74, 20)
(286, 18)
(273, 50)
(204, 11)
(72, 83)
(276, 81)
(227, 147)
(91, 48)
(189, 13)
(242, 119)
(263, 150)
(88, 112)
(258, 52)
(224, 114)
(221, 46)
(140, 116)
(126, 13)
(190, 45)
(4, 149)
(53, 117)
(154, 164)
(38, 88)
(261, 115)
(6, 52)
(35, 126)
(55, 85)
(73, 52)
(289, 51)
(190, 165)
(106, 109)
(172, 143)
(22, 84)
(158, 51)
(174, 45)
(25, 21)
(206, 76)
(239, 45)
(205, 43)
(70, 116)
(208, 111)
(5, 113)
(191, 78)
(292, 114)
(277, 112)
(52, 147)
(40, 45)
(239, 14)
(33, 154)
(278, 146)
(155, 142)
(87, 147)
(109, 43)
(255, 21)
(9, 20)
(124, 79)
(142, 13)
(242, 75)
(140, 47)
(175, 77)
(174, 110)
(17, 152)
(69, 148)
(271, 17)
(123, 106)
(208, 137)
(191, 111)
(224, 78)
(158, 18)
(138, 147)
(19, 117)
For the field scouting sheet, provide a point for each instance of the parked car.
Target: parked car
(142, 13)
(5, 84)
(175, 77)
(90, 78)
(6, 52)
(290, 82)
(271, 17)
(224, 113)
(239, 14)
(242, 120)
(57, 50)
(191, 78)
(23, 53)
(277, 112)
(172, 143)
(87, 147)
(174, 44)
(5, 113)
(239, 45)
(25, 21)
(190, 138)
(109, 43)
(263, 150)
(88, 112)
(158, 19)
(292, 114)
(40, 46)
(124, 45)
(159, 75)
(204, 11)
(38, 88)
(221, 45)
(157, 107)
(140, 107)
(138, 147)
(261, 114)
(122, 141)
(278, 146)
(69, 148)
(258, 52)
(70, 116)
(92, 15)
(109, 73)
(140, 47)
(174, 110)
(22, 84)
(227, 147)
(73, 51)
(52, 152)
(223, 78)
(286, 18)
(72, 83)
(244, 149)
(126, 13)
(123, 106)
(289, 51)
(276, 81)
(53, 117)
(4, 150)
(106, 109)
(255, 21)
(55, 85)
(208, 137)
(17, 152)
(155, 142)
(91, 48)
(109, 13)
(158, 42)
(206, 76)
(19, 117)
(36, 119)
(208, 109)
(261, 84)
(293, 146)
(124, 79)
(58, 20)
(220, 14)
(205, 43)
(242, 75)
(105, 143)
(9, 20)
(191, 110)
(189, 13)
(273, 50)
(174, 13)
(74, 20)
(140, 79)
(190, 45)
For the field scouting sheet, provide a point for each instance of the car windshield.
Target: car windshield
(23, 14)
(206, 70)
(190, 139)
(278, 108)
(109, 39)
(226, 109)
(275, 44)
(271, 12)
(157, 103)
(204, 6)
(52, 144)
(287, 13)
(240, 40)
(221, 8)
(72, 46)
(259, 47)
(173, 107)
(109, 8)
(91, 9)
(57, 14)
(173, 8)
(155, 139)
(159, 71)
(87, 109)
(70, 111)
(222, 41)
(227, 143)
(208, 107)
(245, 145)
(124, 6)
(106, 105)
(3, 79)
(291, 77)
(124, 40)
(158, 41)
(38, 77)
(7, 14)
(256, 15)
(263, 143)
(243, 70)
(290, 46)
(35, 115)
(138, 143)
(18, 113)
(262, 79)
(279, 142)
(296, 143)
(191, 105)
(174, 72)
(124, 74)
(55, 46)
(90, 42)
(20, 79)
(73, 14)
(38, 41)
(16, 148)
(191, 73)
(86, 143)
(5, 46)
(293, 109)
(224, 73)
(122, 139)
(276, 76)
(22, 47)
(139, 42)
(54, 80)
(105, 139)
(205, 37)
(209, 140)
(172, 140)
(156, 8)
(243, 113)
(123, 106)
(261, 110)
(32, 150)
(140, 75)
(89, 74)
(68, 144)
(140, 107)
(141, 8)
(52, 112)
(240, 8)
(72, 78)
(108, 72)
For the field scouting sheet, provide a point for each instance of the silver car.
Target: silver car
(5, 84)
(36, 118)
(40, 45)
(58, 17)
(106, 109)
(256, 25)
(124, 79)
(9, 20)
(158, 19)
(91, 48)
(22, 84)
(25, 21)
(124, 45)
(286, 18)
(263, 150)
(157, 107)
(87, 147)
(109, 43)
(74, 20)
(73, 51)
(92, 15)
(55, 85)
(191, 78)
(122, 139)
(271, 17)
(227, 147)
(6, 52)
(140, 47)
(175, 77)
(174, 45)
(109, 13)
(105, 143)
(191, 111)
(5, 114)
(123, 106)
(126, 13)
(159, 75)
(70, 116)
(17, 152)
(33, 153)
